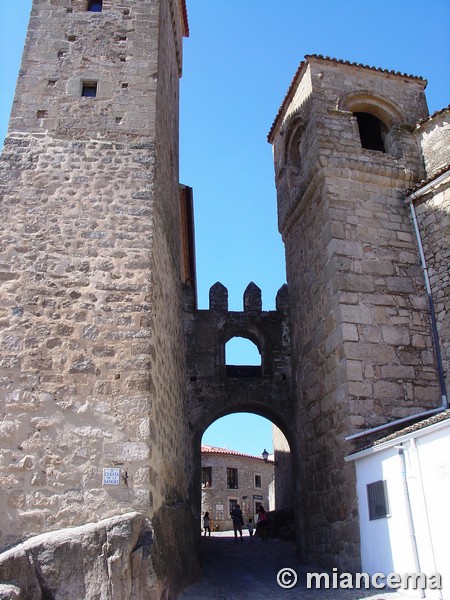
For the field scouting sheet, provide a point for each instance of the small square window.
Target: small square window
(95, 5)
(89, 89)
(378, 500)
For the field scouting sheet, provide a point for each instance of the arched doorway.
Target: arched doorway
(234, 470)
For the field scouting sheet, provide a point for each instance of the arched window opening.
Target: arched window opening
(371, 131)
(294, 150)
(293, 154)
(95, 5)
(242, 358)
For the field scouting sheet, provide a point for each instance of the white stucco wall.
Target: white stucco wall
(386, 543)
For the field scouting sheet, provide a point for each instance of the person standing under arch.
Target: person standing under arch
(238, 521)
(262, 526)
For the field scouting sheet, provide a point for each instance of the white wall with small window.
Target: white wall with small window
(403, 489)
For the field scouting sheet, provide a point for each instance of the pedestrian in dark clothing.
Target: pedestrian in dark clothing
(238, 521)
(207, 523)
(262, 526)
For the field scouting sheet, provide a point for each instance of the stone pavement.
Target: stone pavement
(248, 571)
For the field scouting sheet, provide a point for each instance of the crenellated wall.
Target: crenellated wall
(217, 389)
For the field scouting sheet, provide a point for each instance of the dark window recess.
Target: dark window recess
(240, 371)
(232, 503)
(95, 5)
(257, 481)
(89, 89)
(232, 479)
(371, 131)
(378, 500)
(206, 477)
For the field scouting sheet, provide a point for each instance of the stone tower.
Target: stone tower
(92, 352)
(362, 354)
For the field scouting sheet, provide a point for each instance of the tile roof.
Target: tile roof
(428, 180)
(355, 64)
(217, 450)
(184, 16)
(442, 416)
(435, 114)
(337, 61)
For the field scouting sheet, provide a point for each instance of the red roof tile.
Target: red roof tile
(425, 182)
(217, 450)
(435, 114)
(442, 416)
(184, 18)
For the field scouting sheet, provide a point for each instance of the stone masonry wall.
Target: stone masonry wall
(92, 350)
(434, 139)
(361, 342)
(433, 216)
(75, 383)
(66, 46)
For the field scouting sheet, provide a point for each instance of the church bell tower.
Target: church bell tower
(362, 352)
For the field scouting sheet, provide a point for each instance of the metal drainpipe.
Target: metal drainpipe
(437, 348)
(412, 533)
(444, 401)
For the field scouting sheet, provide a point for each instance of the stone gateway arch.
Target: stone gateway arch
(110, 373)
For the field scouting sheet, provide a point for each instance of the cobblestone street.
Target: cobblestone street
(248, 571)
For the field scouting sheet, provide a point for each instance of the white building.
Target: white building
(403, 487)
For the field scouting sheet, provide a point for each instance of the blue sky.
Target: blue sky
(239, 60)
